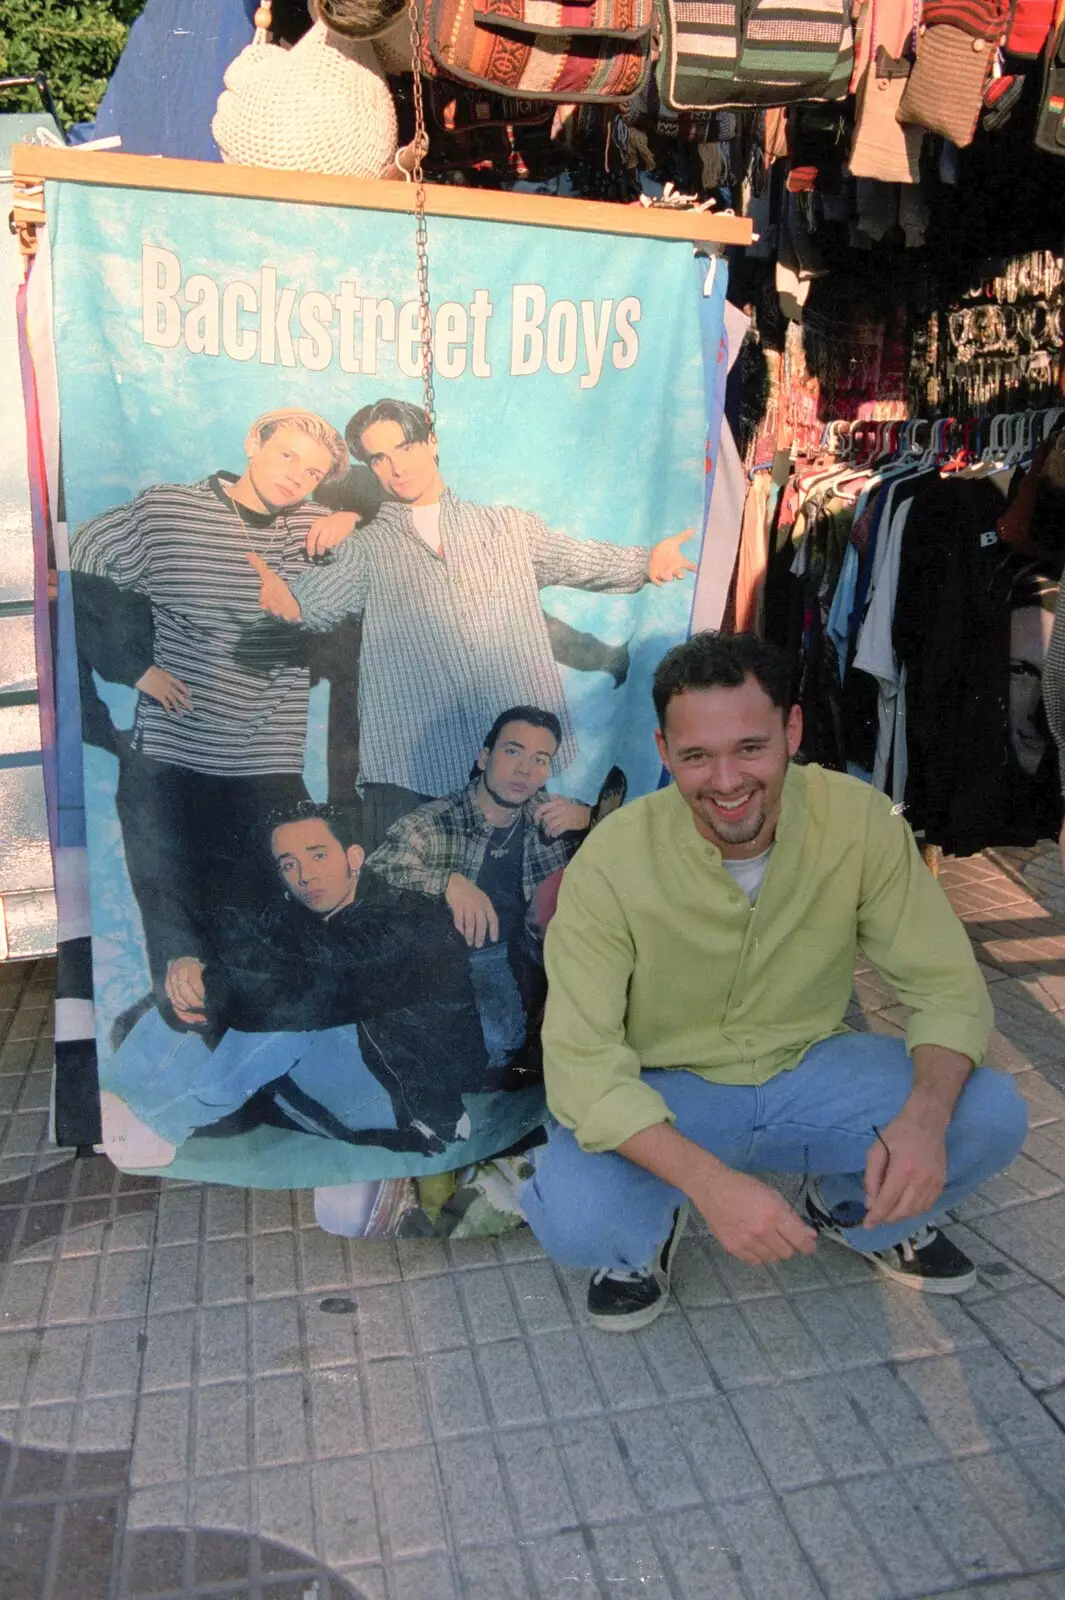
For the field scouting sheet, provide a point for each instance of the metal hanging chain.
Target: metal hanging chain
(421, 237)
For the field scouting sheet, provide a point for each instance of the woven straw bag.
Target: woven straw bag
(323, 106)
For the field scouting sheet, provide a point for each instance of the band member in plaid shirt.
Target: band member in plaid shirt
(484, 851)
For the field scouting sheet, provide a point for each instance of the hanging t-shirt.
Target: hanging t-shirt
(427, 526)
(749, 873)
(500, 877)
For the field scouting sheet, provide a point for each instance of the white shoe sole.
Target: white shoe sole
(922, 1285)
(634, 1320)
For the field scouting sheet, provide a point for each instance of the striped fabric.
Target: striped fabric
(536, 49)
(450, 642)
(774, 52)
(982, 19)
(185, 547)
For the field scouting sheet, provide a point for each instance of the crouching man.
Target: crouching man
(699, 967)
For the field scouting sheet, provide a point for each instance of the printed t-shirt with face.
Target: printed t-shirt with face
(500, 876)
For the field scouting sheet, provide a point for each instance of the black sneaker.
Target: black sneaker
(619, 1302)
(926, 1260)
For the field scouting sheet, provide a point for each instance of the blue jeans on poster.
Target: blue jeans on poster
(499, 1006)
(175, 1084)
(601, 1210)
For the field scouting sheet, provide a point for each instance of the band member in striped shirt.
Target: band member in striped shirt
(221, 721)
(453, 628)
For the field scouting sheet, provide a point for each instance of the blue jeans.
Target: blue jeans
(602, 1210)
(499, 1006)
(175, 1084)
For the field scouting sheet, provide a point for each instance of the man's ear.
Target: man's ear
(252, 445)
(356, 856)
(793, 730)
(482, 760)
(663, 753)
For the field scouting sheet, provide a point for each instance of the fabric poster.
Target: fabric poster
(351, 696)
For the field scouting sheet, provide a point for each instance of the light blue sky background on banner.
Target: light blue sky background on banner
(622, 461)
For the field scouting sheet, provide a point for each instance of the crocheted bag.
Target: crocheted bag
(945, 90)
(738, 53)
(575, 51)
(323, 106)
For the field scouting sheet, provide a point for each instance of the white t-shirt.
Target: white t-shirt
(427, 526)
(749, 874)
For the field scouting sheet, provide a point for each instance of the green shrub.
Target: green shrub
(75, 45)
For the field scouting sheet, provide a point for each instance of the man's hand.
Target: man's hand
(275, 596)
(559, 815)
(327, 532)
(474, 914)
(906, 1169)
(171, 693)
(666, 561)
(184, 988)
(752, 1221)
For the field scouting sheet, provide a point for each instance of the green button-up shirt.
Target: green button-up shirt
(656, 958)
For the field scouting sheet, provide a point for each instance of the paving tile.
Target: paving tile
(675, 1358)
(1032, 1522)
(475, 1494)
(566, 1378)
(735, 1356)
(322, 1264)
(346, 1512)
(489, 1308)
(968, 1534)
(273, 1263)
(537, 1481)
(49, 1427)
(890, 1409)
(413, 1258)
(381, 1322)
(1029, 1327)
(455, 1401)
(902, 1326)
(275, 1334)
(630, 1564)
(178, 1216)
(222, 1351)
(598, 1471)
(650, 1446)
(74, 1285)
(174, 1277)
(624, 1377)
(155, 1563)
(104, 1424)
(843, 1431)
(513, 1391)
(766, 1551)
(408, 1492)
(563, 1567)
(338, 1419)
(222, 1502)
(907, 1547)
(222, 1443)
(835, 1545)
(427, 1579)
(779, 1439)
(703, 1563)
(168, 1344)
(397, 1412)
(835, 1324)
(725, 1464)
(161, 1444)
(494, 1574)
(436, 1313)
(25, 1539)
(227, 1210)
(286, 1506)
(541, 1304)
(974, 1402)
(280, 1410)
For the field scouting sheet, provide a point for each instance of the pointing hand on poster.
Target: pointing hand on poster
(666, 561)
(275, 595)
(171, 693)
(474, 914)
(184, 988)
(559, 815)
(327, 532)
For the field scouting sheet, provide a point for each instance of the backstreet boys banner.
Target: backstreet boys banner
(352, 696)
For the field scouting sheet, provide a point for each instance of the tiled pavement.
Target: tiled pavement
(203, 1394)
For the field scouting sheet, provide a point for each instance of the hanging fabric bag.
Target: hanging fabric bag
(596, 51)
(955, 56)
(1050, 123)
(881, 147)
(753, 52)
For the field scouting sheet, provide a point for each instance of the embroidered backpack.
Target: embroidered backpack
(572, 51)
(753, 52)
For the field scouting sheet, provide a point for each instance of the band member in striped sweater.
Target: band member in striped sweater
(220, 728)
